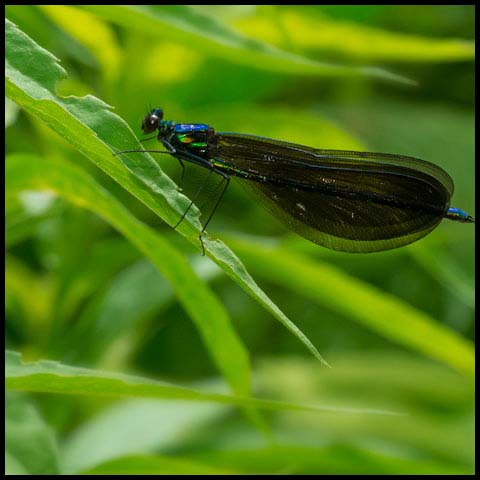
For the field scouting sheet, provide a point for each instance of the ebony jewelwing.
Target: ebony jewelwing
(344, 200)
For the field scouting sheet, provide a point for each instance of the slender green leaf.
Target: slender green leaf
(200, 31)
(300, 29)
(53, 377)
(31, 73)
(338, 459)
(30, 445)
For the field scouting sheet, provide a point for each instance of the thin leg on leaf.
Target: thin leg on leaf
(183, 169)
(227, 182)
(147, 139)
(201, 243)
(217, 203)
(194, 198)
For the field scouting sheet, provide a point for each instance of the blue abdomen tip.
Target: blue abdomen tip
(457, 211)
(460, 215)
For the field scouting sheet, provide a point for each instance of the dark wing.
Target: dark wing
(344, 200)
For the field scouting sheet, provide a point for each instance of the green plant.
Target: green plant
(96, 280)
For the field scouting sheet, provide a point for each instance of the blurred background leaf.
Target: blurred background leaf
(311, 30)
(337, 76)
(30, 445)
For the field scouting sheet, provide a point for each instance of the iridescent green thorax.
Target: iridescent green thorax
(190, 140)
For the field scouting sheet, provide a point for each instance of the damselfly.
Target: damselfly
(344, 200)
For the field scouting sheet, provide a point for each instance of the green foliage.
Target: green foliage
(53, 377)
(97, 281)
(30, 446)
(73, 119)
(326, 285)
(320, 34)
(211, 318)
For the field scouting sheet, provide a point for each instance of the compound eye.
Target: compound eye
(150, 123)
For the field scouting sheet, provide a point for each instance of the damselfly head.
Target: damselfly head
(151, 121)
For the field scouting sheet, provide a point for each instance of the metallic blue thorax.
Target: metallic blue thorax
(190, 127)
